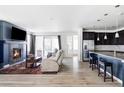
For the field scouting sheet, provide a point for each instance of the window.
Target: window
(39, 46)
(55, 43)
(46, 44)
(50, 43)
(75, 42)
(72, 42)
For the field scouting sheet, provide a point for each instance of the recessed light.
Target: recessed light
(116, 6)
(98, 20)
(105, 14)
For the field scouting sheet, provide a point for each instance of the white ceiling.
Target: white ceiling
(62, 18)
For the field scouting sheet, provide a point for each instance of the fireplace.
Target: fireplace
(13, 52)
(16, 54)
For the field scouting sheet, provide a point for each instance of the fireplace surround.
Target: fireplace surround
(11, 51)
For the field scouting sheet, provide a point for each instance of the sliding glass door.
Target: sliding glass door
(75, 44)
(50, 43)
(72, 42)
(39, 46)
(46, 44)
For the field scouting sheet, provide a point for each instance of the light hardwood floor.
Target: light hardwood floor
(73, 74)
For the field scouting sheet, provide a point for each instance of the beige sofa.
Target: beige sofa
(54, 63)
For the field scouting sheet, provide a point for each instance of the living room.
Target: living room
(62, 45)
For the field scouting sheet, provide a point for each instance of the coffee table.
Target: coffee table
(33, 62)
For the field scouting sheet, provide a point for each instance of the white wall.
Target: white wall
(80, 43)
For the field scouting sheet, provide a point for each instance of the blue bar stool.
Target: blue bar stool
(105, 64)
(93, 61)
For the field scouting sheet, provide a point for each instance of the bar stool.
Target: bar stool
(93, 60)
(105, 65)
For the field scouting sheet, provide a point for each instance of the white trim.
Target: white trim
(105, 31)
(101, 31)
(119, 29)
(9, 65)
(6, 66)
(120, 81)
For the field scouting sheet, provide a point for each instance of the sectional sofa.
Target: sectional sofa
(54, 63)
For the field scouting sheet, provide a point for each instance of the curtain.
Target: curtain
(28, 46)
(59, 40)
(32, 46)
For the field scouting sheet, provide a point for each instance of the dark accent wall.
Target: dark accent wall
(1, 54)
(1, 30)
(5, 30)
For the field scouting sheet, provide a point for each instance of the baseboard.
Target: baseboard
(120, 81)
(8, 65)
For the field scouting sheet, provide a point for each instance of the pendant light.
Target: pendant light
(105, 37)
(117, 34)
(98, 37)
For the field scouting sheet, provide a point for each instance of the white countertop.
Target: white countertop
(122, 60)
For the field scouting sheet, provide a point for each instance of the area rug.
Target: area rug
(21, 69)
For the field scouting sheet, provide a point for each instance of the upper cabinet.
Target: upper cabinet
(88, 35)
(102, 41)
(111, 40)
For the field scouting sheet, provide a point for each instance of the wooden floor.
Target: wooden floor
(73, 73)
